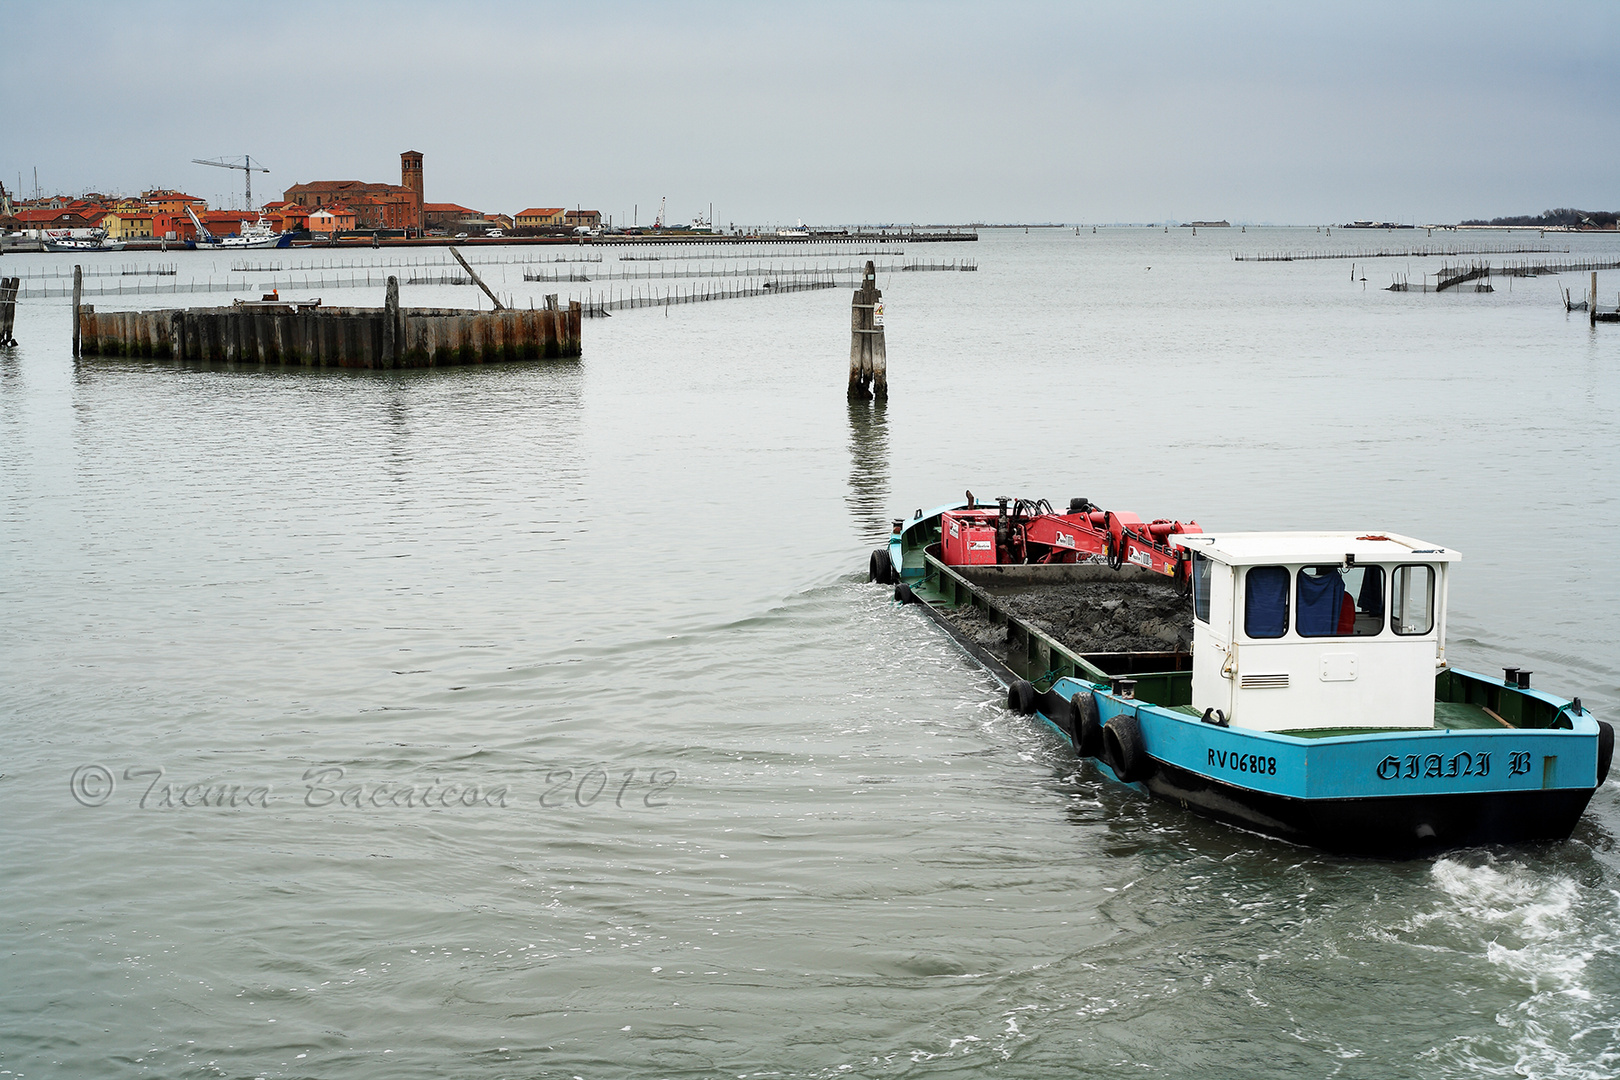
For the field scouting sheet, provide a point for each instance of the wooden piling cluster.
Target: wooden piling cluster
(8, 310)
(868, 358)
(289, 334)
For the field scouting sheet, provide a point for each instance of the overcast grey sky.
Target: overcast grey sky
(873, 112)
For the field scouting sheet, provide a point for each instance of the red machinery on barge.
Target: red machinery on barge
(1030, 531)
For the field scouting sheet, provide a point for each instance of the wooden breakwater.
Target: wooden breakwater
(290, 333)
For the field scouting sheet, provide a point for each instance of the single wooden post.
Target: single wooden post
(8, 309)
(880, 353)
(390, 327)
(476, 279)
(1591, 308)
(868, 359)
(78, 292)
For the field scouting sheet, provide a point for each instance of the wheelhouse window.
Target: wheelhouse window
(1200, 587)
(1265, 601)
(1411, 609)
(1339, 601)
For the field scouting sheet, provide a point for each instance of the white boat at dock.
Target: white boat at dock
(78, 240)
(256, 234)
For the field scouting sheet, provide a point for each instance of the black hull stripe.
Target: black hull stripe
(1394, 826)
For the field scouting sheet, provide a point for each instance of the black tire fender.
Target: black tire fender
(1123, 750)
(879, 567)
(1021, 697)
(1085, 726)
(1605, 751)
(903, 593)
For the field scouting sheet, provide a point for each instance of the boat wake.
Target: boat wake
(1550, 936)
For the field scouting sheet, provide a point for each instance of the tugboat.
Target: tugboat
(1300, 690)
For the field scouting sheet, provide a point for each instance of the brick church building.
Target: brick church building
(375, 206)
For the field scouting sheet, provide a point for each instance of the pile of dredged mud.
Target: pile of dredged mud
(1091, 616)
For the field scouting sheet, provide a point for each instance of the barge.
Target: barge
(1294, 684)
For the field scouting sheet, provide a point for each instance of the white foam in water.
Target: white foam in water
(1537, 930)
(1538, 912)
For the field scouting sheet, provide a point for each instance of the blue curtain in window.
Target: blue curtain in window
(1371, 599)
(1319, 599)
(1265, 604)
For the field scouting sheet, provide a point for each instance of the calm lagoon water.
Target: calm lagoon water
(704, 802)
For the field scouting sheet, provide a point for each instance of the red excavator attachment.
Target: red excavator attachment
(1030, 531)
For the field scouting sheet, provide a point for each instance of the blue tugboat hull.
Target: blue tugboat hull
(1383, 826)
(1386, 794)
(1329, 793)
(1501, 763)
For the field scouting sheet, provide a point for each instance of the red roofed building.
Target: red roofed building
(172, 202)
(375, 206)
(285, 216)
(83, 216)
(397, 208)
(444, 215)
(223, 222)
(331, 220)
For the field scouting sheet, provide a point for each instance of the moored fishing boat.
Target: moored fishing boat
(1300, 689)
(95, 240)
(252, 234)
(258, 234)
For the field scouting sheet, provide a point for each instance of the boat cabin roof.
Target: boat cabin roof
(1265, 548)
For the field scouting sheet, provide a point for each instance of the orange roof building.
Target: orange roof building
(172, 202)
(332, 219)
(440, 215)
(66, 217)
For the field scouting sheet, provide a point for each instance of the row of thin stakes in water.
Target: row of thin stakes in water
(378, 276)
(1422, 251)
(750, 270)
(244, 285)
